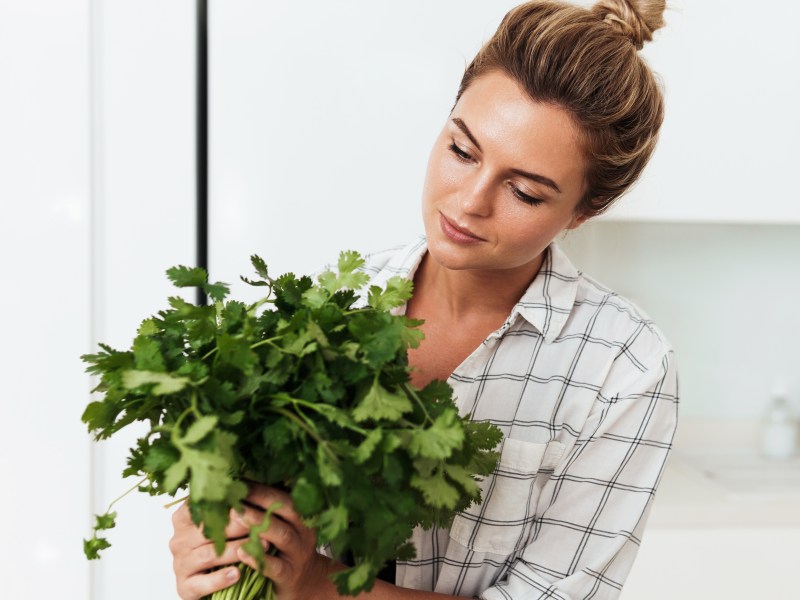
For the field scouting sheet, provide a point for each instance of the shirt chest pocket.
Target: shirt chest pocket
(503, 522)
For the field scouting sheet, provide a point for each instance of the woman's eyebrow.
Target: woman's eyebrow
(538, 178)
(463, 127)
(532, 176)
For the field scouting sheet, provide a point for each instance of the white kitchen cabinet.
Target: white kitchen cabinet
(728, 150)
(725, 522)
(696, 563)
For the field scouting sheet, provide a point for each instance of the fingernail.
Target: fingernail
(232, 574)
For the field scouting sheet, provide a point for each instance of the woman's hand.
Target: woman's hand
(193, 556)
(297, 570)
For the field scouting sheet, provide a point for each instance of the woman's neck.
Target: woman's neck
(471, 292)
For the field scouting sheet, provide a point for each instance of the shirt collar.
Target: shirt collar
(546, 304)
(548, 301)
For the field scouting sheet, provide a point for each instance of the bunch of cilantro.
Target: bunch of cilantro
(307, 389)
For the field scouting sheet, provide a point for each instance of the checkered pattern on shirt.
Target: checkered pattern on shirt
(584, 387)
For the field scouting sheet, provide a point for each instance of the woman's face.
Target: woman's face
(504, 178)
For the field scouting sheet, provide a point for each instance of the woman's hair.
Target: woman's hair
(586, 61)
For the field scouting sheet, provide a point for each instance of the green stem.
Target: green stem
(314, 435)
(314, 407)
(269, 341)
(357, 310)
(176, 502)
(257, 303)
(300, 423)
(410, 391)
(266, 341)
(113, 502)
(251, 586)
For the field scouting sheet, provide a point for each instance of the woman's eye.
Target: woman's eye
(460, 154)
(525, 198)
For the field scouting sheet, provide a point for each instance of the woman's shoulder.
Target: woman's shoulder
(601, 316)
(608, 315)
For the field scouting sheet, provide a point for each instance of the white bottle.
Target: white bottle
(779, 438)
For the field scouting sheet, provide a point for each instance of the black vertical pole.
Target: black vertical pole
(202, 141)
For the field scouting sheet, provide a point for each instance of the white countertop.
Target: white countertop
(716, 477)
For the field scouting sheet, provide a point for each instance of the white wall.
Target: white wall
(144, 59)
(97, 195)
(728, 149)
(322, 118)
(725, 294)
(44, 260)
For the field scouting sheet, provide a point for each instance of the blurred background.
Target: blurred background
(321, 116)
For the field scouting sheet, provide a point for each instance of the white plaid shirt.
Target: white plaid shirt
(584, 387)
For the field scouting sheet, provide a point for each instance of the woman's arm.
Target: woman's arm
(592, 512)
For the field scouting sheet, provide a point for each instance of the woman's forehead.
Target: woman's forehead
(510, 126)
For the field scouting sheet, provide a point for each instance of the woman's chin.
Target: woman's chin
(455, 256)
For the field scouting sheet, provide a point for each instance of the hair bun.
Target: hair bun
(636, 19)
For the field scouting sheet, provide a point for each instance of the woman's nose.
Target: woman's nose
(475, 196)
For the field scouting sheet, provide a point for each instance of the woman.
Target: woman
(555, 118)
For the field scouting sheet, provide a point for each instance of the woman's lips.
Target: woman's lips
(456, 233)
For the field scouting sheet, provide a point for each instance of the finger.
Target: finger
(265, 496)
(239, 523)
(275, 568)
(205, 557)
(284, 536)
(182, 517)
(186, 534)
(200, 586)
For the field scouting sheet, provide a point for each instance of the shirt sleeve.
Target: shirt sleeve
(592, 511)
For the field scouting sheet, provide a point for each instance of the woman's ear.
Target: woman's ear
(577, 220)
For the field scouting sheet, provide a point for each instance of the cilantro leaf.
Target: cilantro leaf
(368, 446)
(261, 267)
(183, 276)
(379, 403)
(307, 497)
(148, 327)
(329, 470)
(348, 276)
(436, 490)
(332, 523)
(147, 355)
(199, 429)
(216, 291)
(93, 546)
(106, 521)
(398, 292)
(440, 439)
(165, 383)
